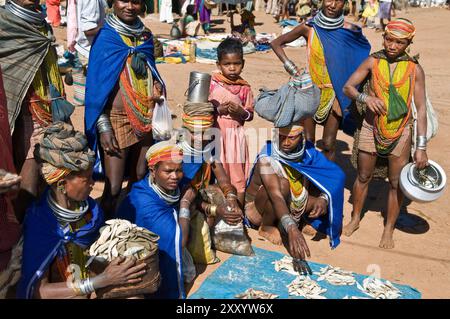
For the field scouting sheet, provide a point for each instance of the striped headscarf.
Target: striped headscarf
(400, 29)
(63, 150)
(164, 151)
(198, 117)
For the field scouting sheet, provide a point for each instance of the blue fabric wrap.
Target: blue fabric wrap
(328, 178)
(106, 61)
(44, 238)
(344, 50)
(146, 209)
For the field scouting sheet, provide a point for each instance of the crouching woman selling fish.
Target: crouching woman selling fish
(64, 222)
(290, 182)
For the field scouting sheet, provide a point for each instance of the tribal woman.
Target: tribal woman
(122, 88)
(396, 79)
(64, 222)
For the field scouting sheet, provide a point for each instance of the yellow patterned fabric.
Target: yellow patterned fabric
(202, 178)
(388, 132)
(40, 99)
(321, 78)
(295, 180)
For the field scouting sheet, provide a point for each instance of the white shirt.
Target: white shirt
(90, 15)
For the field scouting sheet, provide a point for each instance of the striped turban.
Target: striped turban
(400, 29)
(164, 151)
(63, 150)
(198, 117)
(291, 130)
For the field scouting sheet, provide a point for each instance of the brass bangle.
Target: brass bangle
(213, 211)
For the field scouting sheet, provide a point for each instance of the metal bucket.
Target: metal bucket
(198, 90)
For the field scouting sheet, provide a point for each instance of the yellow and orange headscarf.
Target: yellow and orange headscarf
(163, 151)
(400, 29)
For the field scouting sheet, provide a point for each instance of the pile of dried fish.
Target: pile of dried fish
(336, 276)
(306, 287)
(377, 289)
(251, 293)
(122, 238)
(285, 264)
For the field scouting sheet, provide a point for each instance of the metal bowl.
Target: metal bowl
(424, 185)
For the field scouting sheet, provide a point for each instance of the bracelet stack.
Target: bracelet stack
(185, 213)
(229, 190)
(83, 287)
(287, 221)
(211, 210)
(290, 67)
(103, 124)
(421, 143)
(362, 97)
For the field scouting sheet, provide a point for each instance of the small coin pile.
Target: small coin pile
(336, 276)
(304, 286)
(251, 293)
(121, 238)
(378, 289)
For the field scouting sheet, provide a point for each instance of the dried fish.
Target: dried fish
(304, 286)
(121, 238)
(336, 276)
(378, 289)
(251, 293)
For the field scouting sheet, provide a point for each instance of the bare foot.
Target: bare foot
(309, 230)
(350, 228)
(272, 234)
(387, 240)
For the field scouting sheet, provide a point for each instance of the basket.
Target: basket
(149, 284)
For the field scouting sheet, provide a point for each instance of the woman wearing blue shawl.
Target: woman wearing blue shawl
(290, 184)
(153, 203)
(335, 50)
(64, 222)
(122, 88)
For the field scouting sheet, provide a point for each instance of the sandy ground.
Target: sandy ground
(421, 257)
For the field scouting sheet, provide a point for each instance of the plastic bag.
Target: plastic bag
(162, 125)
(189, 271)
(232, 239)
(199, 244)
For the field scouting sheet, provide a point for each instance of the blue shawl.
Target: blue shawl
(106, 60)
(43, 239)
(328, 178)
(344, 50)
(145, 208)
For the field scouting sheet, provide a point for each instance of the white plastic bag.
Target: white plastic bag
(232, 239)
(162, 125)
(432, 121)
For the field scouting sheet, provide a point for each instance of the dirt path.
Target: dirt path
(421, 257)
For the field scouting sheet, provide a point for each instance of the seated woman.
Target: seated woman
(64, 222)
(190, 26)
(246, 30)
(153, 204)
(202, 168)
(292, 181)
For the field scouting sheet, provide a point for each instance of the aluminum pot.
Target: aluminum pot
(198, 90)
(424, 185)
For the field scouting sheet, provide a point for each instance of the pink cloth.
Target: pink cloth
(234, 153)
(72, 24)
(9, 227)
(53, 13)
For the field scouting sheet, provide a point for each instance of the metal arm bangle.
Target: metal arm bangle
(362, 97)
(421, 142)
(185, 213)
(104, 124)
(290, 67)
(287, 221)
(325, 196)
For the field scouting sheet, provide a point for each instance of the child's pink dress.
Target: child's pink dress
(234, 153)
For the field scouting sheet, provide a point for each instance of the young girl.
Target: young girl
(233, 99)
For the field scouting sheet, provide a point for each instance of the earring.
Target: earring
(62, 189)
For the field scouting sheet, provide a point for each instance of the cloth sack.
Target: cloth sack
(289, 104)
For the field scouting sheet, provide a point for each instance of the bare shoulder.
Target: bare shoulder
(351, 26)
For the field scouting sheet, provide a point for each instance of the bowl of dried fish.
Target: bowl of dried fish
(423, 185)
(121, 238)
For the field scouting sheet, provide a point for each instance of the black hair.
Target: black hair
(190, 10)
(110, 3)
(230, 46)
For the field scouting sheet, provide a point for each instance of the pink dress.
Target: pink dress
(234, 153)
